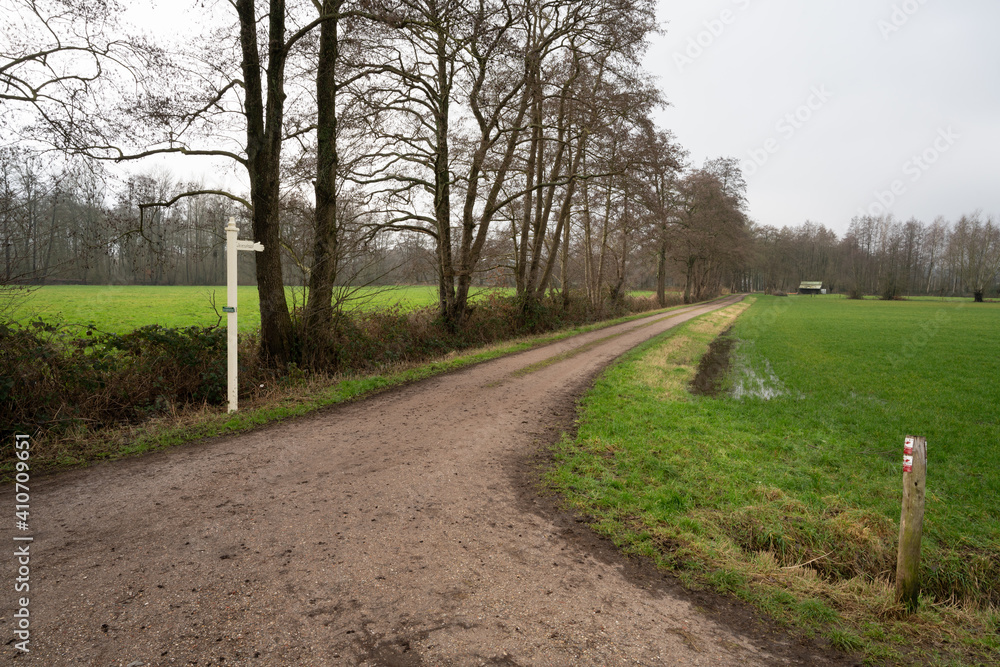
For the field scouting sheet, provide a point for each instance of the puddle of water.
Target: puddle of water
(751, 383)
(754, 378)
(727, 359)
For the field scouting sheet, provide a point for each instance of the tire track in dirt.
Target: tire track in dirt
(401, 530)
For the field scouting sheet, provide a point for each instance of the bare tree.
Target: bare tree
(711, 229)
(446, 57)
(346, 57)
(662, 169)
(933, 249)
(976, 245)
(589, 98)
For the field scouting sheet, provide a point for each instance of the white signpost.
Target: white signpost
(233, 246)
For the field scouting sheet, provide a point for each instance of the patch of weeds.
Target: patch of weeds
(727, 581)
(815, 612)
(845, 640)
(873, 630)
(882, 654)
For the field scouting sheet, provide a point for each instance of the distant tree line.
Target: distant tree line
(880, 256)
(67, 226)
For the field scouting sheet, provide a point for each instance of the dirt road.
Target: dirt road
(401, 530)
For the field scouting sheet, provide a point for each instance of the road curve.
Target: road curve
(397, 530)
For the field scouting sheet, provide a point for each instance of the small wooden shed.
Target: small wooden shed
(811, 287)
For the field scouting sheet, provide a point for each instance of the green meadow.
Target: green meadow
(118, 309)
(785, 488)
(122, 308)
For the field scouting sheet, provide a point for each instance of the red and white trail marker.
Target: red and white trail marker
(908, 454)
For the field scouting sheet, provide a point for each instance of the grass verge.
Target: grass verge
(788, 497)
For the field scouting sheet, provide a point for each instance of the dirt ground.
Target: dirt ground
(407, 529)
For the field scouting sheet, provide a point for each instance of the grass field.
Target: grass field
(793, 502)
(118, 309)
(121, 308)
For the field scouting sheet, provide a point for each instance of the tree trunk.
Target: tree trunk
(535, 284)
(534, 160)
(661, 275)
(323, 275)
(473, 239)
(588, 239)
(602, 259)
(564, 268)
(564, 214)
(450, 311)
(263, 158)
(689, 279)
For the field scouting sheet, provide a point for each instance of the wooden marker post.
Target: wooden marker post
(911, 521)
(233, 245)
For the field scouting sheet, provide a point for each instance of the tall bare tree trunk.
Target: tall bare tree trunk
(689, 279)
(564, 269)
(323, 275)
(533, 164)
(605, 232)
(264, 134)
(442, 185)
(537, 286)
(661, 273)
(588, 241)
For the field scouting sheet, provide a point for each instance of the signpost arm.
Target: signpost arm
(231, 298)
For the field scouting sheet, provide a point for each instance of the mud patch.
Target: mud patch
(710, 379)
(382, 652)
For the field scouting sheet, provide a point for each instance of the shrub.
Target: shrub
(54, 378)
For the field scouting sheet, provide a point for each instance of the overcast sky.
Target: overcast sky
(835, 107)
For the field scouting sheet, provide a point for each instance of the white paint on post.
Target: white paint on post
(233, 246)
(231, 299)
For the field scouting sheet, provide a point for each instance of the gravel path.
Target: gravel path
(406, 529)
